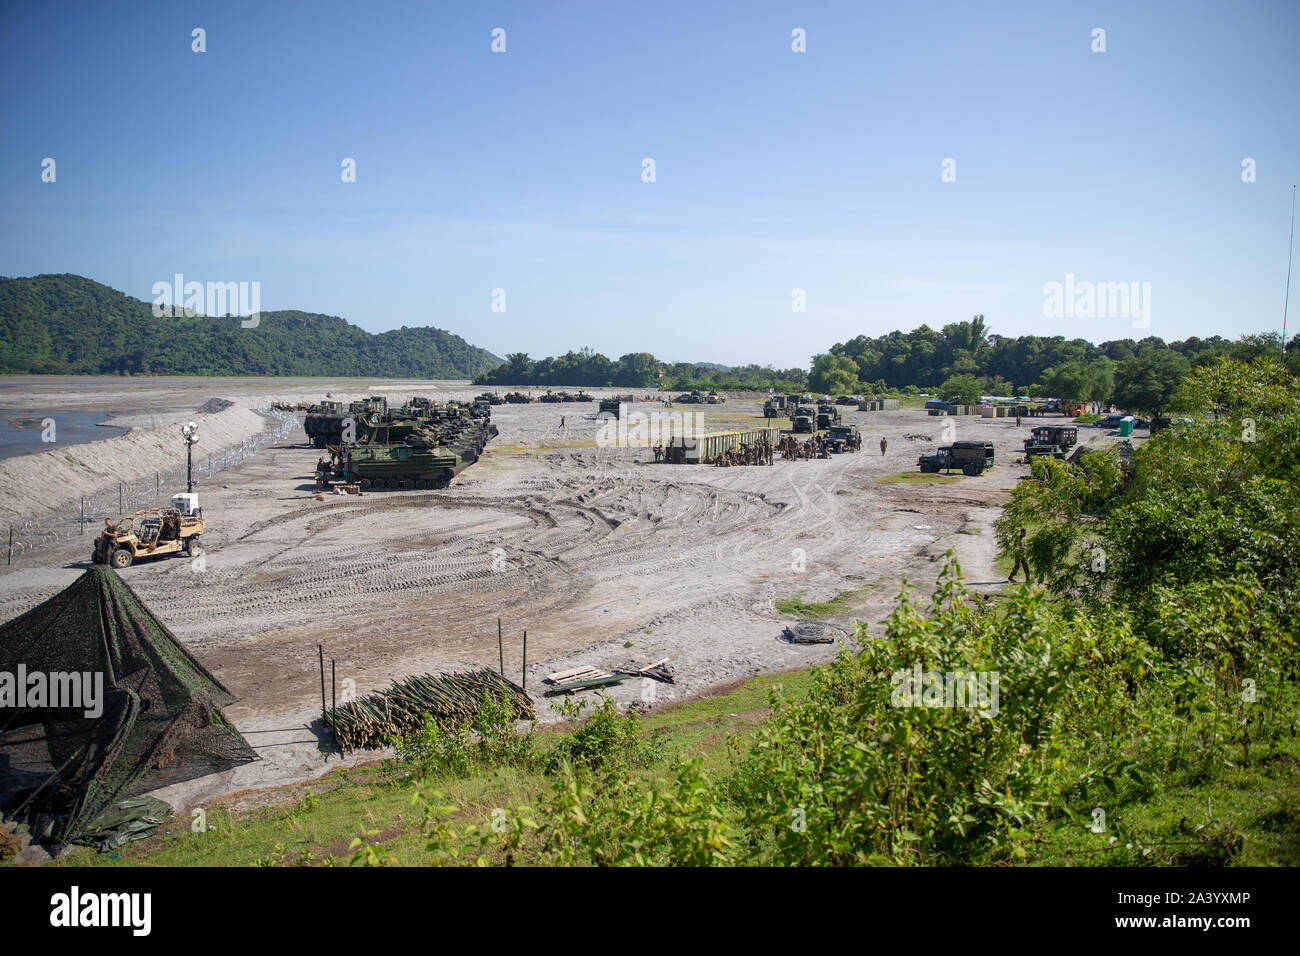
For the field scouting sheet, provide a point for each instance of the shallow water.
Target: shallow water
(21, 433)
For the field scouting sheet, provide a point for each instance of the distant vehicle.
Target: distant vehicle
(842, 438)
(827, 415)
(517, 398)
(608, 407)
(805, 419)
(972, 457)
(847, 400)
(153, 531)
(772, 408)
(1063, 436)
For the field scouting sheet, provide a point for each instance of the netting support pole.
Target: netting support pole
(320, 649)
(501, 651)
(119, 499)
(83, 515)
(523, 680)
(10, 559)
(334, 700)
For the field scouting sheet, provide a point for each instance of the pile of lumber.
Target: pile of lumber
(372, 720)
(587, 677)
(659, 670)
(580, 678)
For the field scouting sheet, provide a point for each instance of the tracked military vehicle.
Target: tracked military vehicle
(420, 453)
(517, 398)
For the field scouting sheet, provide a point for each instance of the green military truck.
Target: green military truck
(843, 438)
(1054, 440)
(972, 457)
(827, 415)
(805, 419)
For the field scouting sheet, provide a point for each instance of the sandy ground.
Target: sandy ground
(589, 549)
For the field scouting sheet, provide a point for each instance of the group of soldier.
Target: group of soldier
(759, 453)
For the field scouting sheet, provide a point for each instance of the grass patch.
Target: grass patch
(798, 607)
(914, 478)
(313, 824)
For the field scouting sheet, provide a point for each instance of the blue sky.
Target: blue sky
(774, 170)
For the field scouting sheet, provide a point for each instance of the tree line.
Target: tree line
(67, 324)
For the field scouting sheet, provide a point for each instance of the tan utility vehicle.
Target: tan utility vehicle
(153, 531)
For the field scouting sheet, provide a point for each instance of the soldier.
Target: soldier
(1021, 561)
(659, 452)
(884, 443)
(561, 423)
(1017, 421)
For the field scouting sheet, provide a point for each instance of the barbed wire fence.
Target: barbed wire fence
(78, 517)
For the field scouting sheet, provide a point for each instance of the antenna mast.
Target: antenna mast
(1290, 248)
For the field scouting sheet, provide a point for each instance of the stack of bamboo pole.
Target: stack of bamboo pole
(369, 721)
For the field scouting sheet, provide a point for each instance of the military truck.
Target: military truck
(773, 407)
(1054, 440)
(827, 415)
(152, 531)
(805, 419)
(843, 438)
(972, 457)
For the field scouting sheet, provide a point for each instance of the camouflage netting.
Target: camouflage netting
(160, 725)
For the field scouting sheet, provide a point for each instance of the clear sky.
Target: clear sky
(774, 170)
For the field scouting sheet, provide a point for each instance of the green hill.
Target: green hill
(68, 324)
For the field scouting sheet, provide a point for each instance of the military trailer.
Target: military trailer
(972, 457)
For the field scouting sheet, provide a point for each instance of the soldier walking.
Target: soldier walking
(884, 443)
(1021, 561)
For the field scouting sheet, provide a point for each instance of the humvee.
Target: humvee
(972, 457)
(153, 531)
(805, 419)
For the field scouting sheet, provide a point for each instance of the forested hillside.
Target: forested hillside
(68, 324)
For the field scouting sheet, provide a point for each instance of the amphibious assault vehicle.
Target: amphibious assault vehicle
(424, 451)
